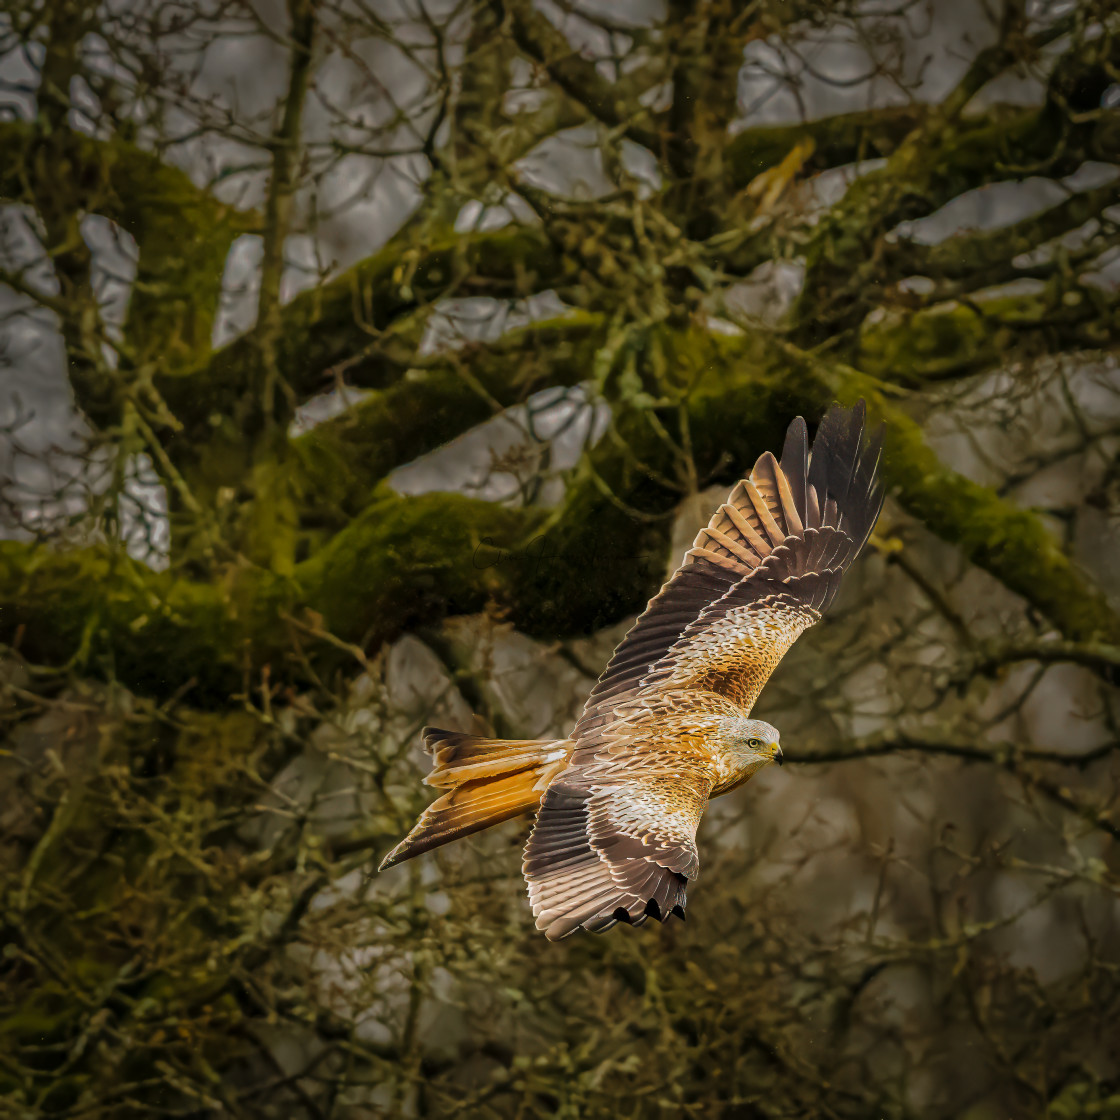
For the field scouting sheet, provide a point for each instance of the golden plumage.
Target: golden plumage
(667, 726)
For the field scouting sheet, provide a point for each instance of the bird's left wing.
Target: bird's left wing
(615, 839)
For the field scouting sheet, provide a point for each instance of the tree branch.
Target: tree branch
(1102, 657)
(268, 525)
(952, 339)
(943, 158)
(338, 463)
(182, 233)
(1010, 543)
(612, 103)
(351, 314)
(1007, 756)
(406, 561)
(983, 256)
(844, 138)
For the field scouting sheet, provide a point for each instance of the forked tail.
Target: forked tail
(487, 781)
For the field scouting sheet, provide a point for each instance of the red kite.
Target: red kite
(667, 726)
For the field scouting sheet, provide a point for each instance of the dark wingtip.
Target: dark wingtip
(392, 859)
(795, 464)
(430, 737)
(679, 911)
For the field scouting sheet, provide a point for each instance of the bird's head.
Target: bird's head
(754, 739)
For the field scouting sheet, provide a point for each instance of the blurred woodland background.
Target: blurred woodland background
(368, 363)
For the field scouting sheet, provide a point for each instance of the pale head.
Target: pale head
(753, 740)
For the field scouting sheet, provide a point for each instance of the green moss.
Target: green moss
(949, 338)
(839, 139)
(331, 323)
(182, 233)
(930, 168)
(183, 236)
(1009, 542)
(1082, 1100)
(408, 560)
(338, 463)
(106, 615)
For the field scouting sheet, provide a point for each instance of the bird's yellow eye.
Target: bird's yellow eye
(754, 744)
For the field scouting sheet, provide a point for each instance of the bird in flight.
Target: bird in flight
(668, 725)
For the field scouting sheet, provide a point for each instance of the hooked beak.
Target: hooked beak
(777, 753)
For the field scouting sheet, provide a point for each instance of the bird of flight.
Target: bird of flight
(667, 726)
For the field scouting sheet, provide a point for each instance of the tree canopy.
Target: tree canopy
(367, 364)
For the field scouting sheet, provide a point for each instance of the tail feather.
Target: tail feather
(487, 781)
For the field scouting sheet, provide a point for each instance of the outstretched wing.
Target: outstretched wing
(763, 570)
(616, 840)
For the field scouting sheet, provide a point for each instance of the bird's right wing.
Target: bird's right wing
(763, 570)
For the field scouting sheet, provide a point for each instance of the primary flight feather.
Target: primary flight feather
(667, 726)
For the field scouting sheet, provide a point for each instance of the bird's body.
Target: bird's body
(668, 725)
